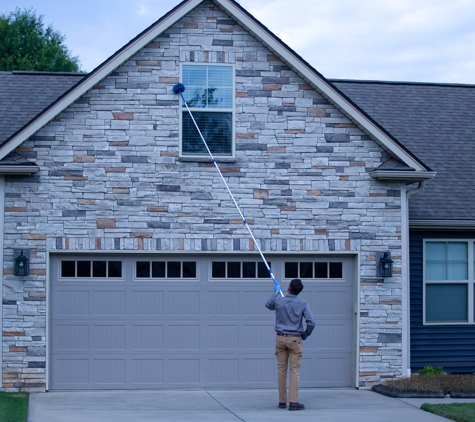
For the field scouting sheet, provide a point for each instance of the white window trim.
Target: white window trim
(232, 110)
(470, 282)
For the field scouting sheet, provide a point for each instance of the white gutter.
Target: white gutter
(410, 176)
(442, 224)
(18, 169)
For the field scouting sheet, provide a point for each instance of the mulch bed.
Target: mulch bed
(458, 386)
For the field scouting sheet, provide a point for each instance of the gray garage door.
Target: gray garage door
(179, 321)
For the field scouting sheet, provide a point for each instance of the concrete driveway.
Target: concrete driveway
(332, 405)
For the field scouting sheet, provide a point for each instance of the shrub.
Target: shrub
(430, 370)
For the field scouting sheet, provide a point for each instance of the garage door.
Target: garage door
(179, 321)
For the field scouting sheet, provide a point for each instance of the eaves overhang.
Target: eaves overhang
(402, 175)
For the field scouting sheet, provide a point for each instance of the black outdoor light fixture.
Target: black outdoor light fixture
(385, 264)
(21, 266)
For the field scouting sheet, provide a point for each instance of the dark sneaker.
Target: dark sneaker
(296, 406)
(282, 405)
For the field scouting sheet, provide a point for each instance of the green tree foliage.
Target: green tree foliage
(25, 44)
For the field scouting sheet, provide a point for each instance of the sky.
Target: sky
(392, 40)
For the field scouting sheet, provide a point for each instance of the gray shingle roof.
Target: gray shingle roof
(23, 95)
(436, 122)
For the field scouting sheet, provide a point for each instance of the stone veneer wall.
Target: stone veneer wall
(111, 179)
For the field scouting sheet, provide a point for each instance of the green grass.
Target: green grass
(13, 407)
(460, 412)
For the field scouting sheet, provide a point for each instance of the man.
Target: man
(290, 311)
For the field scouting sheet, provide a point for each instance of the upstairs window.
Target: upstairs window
(209, 92)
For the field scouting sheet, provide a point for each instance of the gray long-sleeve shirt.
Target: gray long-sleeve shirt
(290, 311)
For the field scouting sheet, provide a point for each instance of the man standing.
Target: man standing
(289, 314)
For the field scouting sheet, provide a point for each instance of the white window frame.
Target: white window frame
(470, 282)
(220, 110)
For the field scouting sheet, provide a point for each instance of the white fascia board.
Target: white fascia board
(442, 224)
(323, 86)
(98, 75)
(18, 169)
(411, 176)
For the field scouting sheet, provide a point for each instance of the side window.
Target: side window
(209, 93)
(447, 285)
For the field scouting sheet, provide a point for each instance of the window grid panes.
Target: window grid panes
(448, 282)
(165, 269)
(91, 269)
(239, 269)
(209, 92)
(313, 270)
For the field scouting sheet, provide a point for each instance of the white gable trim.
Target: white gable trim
(97, 75)
(265, 36)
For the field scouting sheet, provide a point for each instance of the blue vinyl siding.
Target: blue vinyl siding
(450, 346)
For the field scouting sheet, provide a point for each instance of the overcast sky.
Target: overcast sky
(397, 40)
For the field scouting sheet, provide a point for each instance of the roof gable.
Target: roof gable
(254, 27)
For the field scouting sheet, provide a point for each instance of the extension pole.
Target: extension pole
(180, 88)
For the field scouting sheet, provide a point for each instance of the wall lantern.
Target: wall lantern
(385, 264)
(21, 266)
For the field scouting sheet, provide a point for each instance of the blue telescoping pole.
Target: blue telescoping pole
(179, 89)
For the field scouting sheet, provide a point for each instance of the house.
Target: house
(437, 123)
(141, 274)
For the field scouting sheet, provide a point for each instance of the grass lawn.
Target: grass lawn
(460, 412)
(13, 407)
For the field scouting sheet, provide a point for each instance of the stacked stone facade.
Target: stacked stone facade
(111, 179)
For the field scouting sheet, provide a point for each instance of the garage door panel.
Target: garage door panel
(333, 370)
(109, 303)
(223, 337)
(146, 337)
(257, 336)
(71, 373)
(183, 303)
(258, 370)
(252, 303)
(108, 372)
(222, 371)
(71, 337)
(160, 333)
(69, 302)
(183, 337)
(331, 336)
(183, 371)
(146, 303)
(147, 371)
(223, 303)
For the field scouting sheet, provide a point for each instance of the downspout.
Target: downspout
(2, 252)
(405, 273)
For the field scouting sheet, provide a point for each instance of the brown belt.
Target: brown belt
(288, 335)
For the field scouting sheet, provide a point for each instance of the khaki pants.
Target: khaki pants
(288, 351)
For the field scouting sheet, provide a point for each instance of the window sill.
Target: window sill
(206, 159)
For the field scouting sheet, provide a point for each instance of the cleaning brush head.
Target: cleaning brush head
(178, 88)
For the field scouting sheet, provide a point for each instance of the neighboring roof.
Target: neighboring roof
(437, 123)
(280, 49)
(26, 94)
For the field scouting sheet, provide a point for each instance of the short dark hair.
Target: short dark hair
(296, 286)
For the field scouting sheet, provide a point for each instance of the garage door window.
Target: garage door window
(165, 269)
(238, 269)
(87, 269)
(308, 269)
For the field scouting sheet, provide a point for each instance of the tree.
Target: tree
(25, 44)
